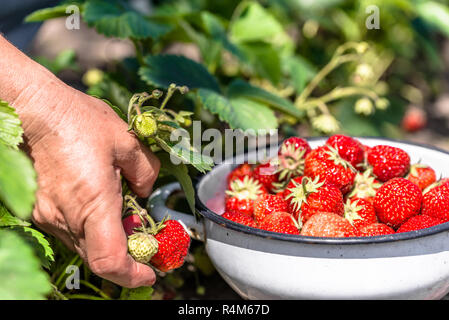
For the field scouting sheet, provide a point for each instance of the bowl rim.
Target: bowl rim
(218, 219)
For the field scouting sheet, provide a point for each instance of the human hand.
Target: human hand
(80, 147)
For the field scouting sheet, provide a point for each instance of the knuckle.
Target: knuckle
(103, 266)
(134, 145)
(38, 218)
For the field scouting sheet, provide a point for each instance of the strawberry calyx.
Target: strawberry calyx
(142, 245)
(290, 162)
(337, 159)
(414, 169)
(246, 188)
(365, 185)
(300, 191)
(351, 211)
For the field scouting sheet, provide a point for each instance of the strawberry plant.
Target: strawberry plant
(249, 77)
(23, 249)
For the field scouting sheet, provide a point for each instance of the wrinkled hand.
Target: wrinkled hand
(80, 147)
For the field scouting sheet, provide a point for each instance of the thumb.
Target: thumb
(138, 165)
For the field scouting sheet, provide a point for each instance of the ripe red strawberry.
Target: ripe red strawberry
(396, 201)
(365, 186)
(375, 229)
(290, 160)
(348, 148)
(306, 197)
(240, 171)
(130, 223)
(281, 194)
(282, 222)
(240, 218)
(325, 162)
(242, 195)
(267, 175)
(360, 212)
(297, 143)
(414, 119)
(436, 202)
(388, 162)
(443, 181)
(325, 224)
(418, 222)
(267, 204)
(174, 242)
(421, 175)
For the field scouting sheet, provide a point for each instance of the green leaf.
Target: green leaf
(264, 59)
(185, 153)
(256, 24)
(65, 60)
(141, 293)
(435, 14)
(21, 276)
(17, 182)
(240, 88)
(163, 70)
(114, 93)
(10, 126)
(38, 242)
(7, 219)
(181, 173)
(118, 19)
(239, 113)
(299, 70)
(49, 13)
(218, 33)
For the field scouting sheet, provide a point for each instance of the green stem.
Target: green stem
(63, 273)
(170, 91)
(347, 46)
(57, 293)
(238, 12)
(339, 93)
(95, 289)
(333, 64)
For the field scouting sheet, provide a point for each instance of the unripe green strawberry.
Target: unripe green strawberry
(142, 247)
(145, 125)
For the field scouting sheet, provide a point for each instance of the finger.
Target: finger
(105, 245)
(139, 165)
(61, 235)
(48, 218)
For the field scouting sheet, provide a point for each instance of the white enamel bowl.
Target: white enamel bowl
(260, 264)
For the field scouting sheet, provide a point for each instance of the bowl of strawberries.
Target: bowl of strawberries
(327, 218)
